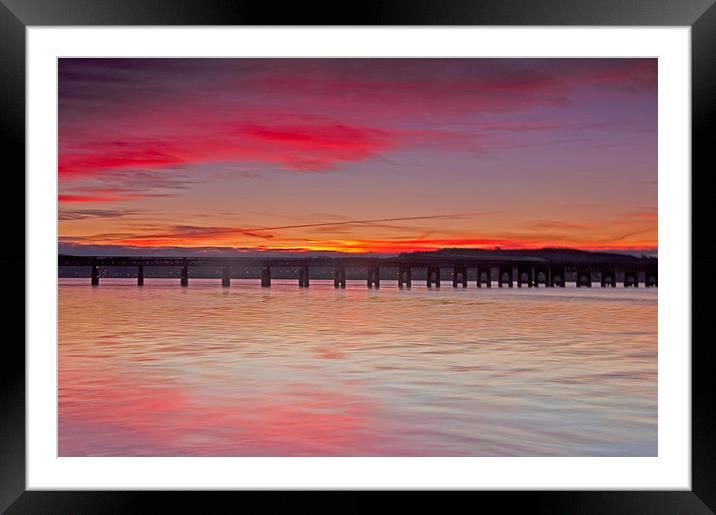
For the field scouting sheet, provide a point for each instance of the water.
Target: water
(282, 371)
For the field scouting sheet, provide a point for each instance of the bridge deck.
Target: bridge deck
(353, 262)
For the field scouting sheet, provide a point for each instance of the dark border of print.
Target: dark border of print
(17, 15)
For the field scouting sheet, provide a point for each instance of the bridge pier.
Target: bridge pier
(266, 276)
(95, 275)
(303, 277)
(226, 276)
(556, 277)
(631, 278)
(405, 277)
(609, 278)
(584, 278)
(544, 270)
(140, 275)
(185, 275)
(433, 276)
(373, 277)
(488, 276)
(651, 279)
(522, 271)
(505, 270)
(339, 277)
(459, 276)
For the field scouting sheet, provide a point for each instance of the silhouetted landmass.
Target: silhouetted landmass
(554, 254)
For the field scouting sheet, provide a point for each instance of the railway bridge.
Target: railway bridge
(523, 271)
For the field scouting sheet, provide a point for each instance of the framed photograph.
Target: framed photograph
(437, 248)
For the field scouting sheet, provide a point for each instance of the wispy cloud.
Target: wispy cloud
(85, 214)
(103, 196)
(180, 234)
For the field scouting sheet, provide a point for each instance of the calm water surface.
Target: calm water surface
(248, 371)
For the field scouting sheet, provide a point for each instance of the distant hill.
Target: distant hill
(555, 254)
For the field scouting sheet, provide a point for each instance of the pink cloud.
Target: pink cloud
(307, 147)
(88, 195)
(302, 115)
(94, 198)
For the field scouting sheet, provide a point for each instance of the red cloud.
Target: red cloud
(91, 198)
(104, 195)
(297, 147)
(112, 155)
(304, 115)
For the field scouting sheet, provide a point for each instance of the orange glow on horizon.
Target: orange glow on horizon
(385, 247)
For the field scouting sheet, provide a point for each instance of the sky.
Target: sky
(196, 156)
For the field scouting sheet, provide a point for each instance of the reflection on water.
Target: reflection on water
(282, 371)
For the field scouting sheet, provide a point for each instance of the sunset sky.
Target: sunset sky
(356, 155)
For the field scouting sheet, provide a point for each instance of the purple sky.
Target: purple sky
(357, 155)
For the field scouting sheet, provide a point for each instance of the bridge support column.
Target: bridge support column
(544, 271)
(339, 277)
(556, 277)
(609, 278)
(185, 275)
(501, 280)
(226, 276)
(405, 277)
(488, 276)
(631, 278)
(140, 275)
(459, 276)
(266, 277)
(584, 278)
(373, 277)
(95, 275)
(303, 277)
(652, 279)
(433, 276)
(522, 271)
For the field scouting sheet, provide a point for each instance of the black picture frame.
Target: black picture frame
(17, 15)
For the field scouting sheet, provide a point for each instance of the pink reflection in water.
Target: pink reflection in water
(122, 416)
(245, 371)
